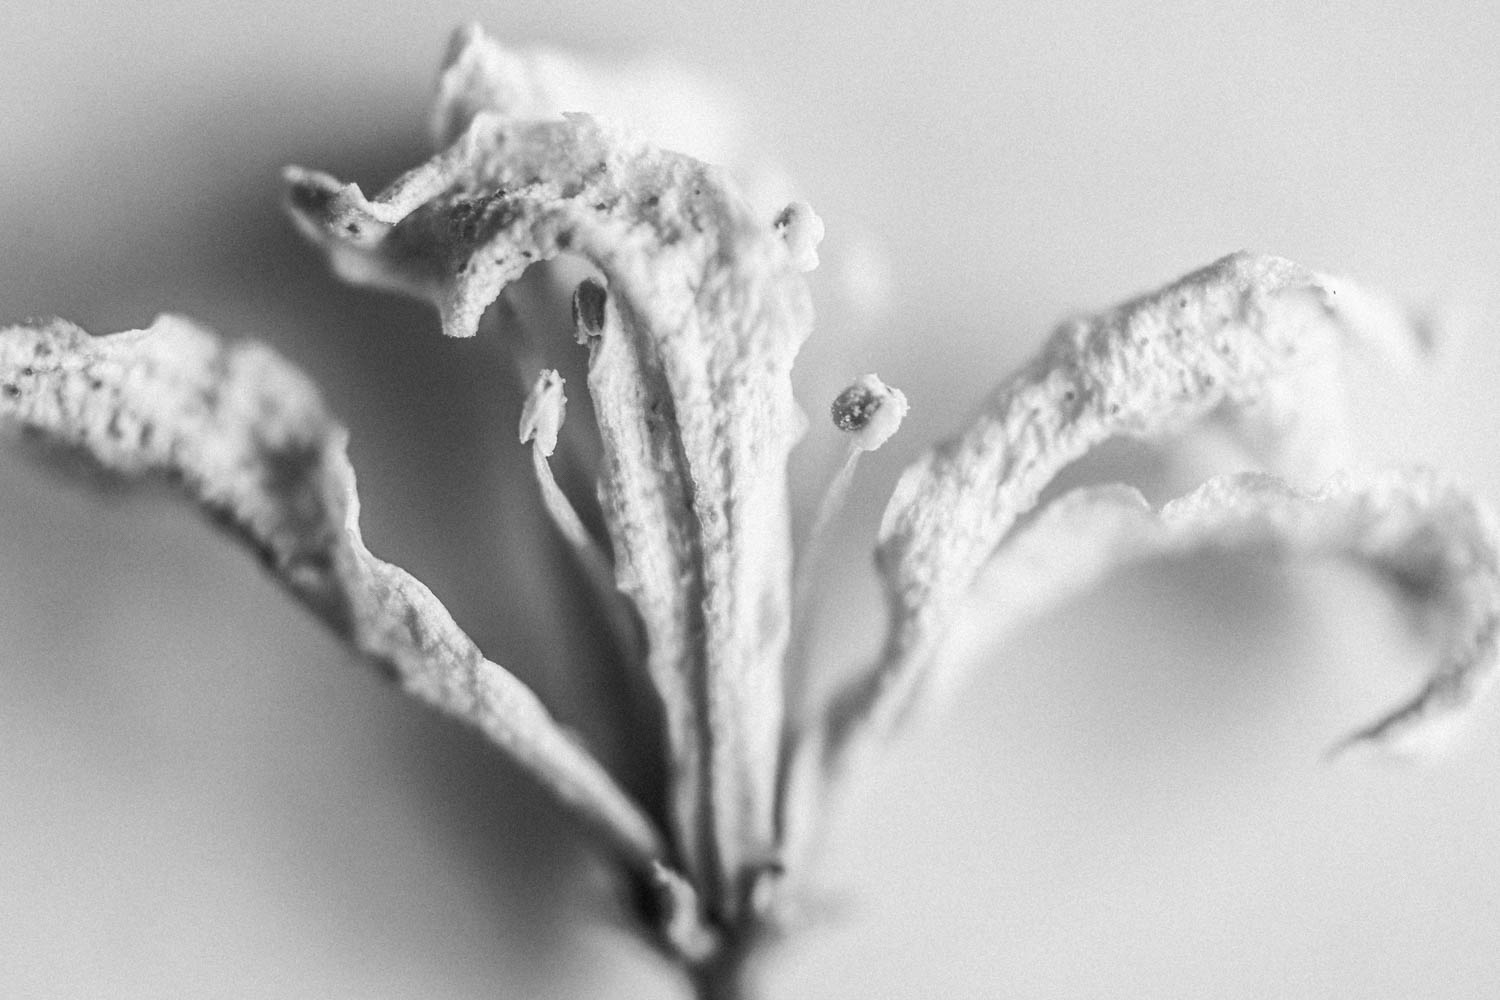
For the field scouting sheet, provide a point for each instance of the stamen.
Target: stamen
(541, 419)
(870, 412)
(589, 299)
(542, 415)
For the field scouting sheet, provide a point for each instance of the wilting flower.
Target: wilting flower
(691, 327)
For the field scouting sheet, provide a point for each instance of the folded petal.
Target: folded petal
(657, 96)
(646, 502)
(1435, 543)
(246, 436)
(1251, 341)
(692, 384)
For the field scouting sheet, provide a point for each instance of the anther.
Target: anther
(542, 415)
(802, 230)
(870, 411)
(588, 309)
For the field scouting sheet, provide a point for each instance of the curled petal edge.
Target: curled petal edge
(711, 310)
(1252, 341)
(245, 435)
(1436, 544)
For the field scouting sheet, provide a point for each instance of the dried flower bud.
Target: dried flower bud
(869, 410)
(802, 230)
(542, 416)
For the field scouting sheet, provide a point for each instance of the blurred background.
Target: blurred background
(202, 794)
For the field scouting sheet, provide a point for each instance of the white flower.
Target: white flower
(690, 339)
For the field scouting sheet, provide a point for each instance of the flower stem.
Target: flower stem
(729, 975)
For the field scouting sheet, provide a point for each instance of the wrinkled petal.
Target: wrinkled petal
(1251, 341)
(680, 110)
(711, 311)
(656, 96)
(460, 227)
(245, 435)
(1434, 542)
(646, 500)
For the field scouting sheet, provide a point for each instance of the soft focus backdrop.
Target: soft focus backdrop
(202, 795)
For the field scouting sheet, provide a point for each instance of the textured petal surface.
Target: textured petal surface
(1432, 541)
(695, 396)
(1250, 340)
(647, 504)
(658, 97)
(246, 435)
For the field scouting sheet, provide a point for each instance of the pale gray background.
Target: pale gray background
(202, 795)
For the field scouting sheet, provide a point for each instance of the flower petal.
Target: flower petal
(658, 97)
(1252, 340)
(1435, 542)
(247, 437)
(711, 311)
(646, 500)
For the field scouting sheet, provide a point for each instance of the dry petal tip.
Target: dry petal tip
(479, 75)
(527, 82)
(1375, 744)
(1371, 746)
(321, 204)
(1429, 721)
(542, 416)
(464, 37)
(870, 411)
(1394, 330)
(802, 230)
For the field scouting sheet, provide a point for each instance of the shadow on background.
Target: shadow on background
(447, 492)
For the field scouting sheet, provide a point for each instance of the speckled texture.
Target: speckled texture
(246, 436)
(645, 499)
(1251, 340)
(713, 308)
